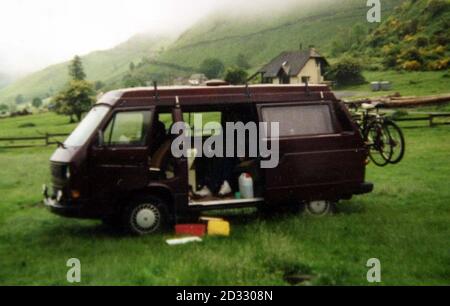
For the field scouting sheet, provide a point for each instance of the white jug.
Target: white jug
(246, 186)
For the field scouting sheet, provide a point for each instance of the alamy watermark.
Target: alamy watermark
(374, 273)
(235, 140)
(374, 13)
(74, 273)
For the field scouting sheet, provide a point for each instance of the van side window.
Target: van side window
(128, 128)
(300, 120)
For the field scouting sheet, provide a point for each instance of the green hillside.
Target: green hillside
(262, 36)
(415, 37)
(334, 27)
(105, 66)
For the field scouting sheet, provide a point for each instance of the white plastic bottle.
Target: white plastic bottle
(246, 186)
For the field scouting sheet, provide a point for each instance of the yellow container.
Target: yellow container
(218, 228)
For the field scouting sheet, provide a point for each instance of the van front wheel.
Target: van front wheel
(320, 208)
(145, 217)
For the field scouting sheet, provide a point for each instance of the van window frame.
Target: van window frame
(146, 142)
(335, 122)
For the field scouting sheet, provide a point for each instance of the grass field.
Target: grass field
(418, 83)
(404, 223)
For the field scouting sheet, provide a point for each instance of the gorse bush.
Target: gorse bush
(415, 37)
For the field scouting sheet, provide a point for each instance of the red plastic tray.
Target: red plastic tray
(190, 229)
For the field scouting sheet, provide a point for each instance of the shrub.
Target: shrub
(37, 102)
(441, 64)
(212, 67)
(346, 72)
(236, 76)
(411, 65)
(411, 54)
(422, 41)
(390, 61)
(437, 7)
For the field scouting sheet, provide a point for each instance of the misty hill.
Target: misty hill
(262, 35)
(258, 35)
(4, 80)
(105, 66)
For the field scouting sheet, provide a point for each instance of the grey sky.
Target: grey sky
(34, 34)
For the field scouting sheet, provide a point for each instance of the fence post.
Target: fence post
(46, 139)
(431, 120)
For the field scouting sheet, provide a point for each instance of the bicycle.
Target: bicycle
(383, 137)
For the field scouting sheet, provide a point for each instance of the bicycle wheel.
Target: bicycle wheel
(377, 137)
(397, 141)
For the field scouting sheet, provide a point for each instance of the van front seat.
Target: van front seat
(159, 159)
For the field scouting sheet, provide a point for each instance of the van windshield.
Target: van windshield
(87, 126)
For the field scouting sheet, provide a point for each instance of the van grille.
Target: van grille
(58, 172)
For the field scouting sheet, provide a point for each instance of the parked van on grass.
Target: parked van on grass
(118, 164)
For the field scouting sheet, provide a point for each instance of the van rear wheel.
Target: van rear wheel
(146, 216)
(320, 208)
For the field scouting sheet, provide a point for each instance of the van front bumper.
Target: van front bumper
(68, 208)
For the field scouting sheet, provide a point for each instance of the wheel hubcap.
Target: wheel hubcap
(146, 218)
(318, 207)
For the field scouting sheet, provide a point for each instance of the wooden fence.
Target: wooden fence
(29, 142)
(429, 117)
(51, 139)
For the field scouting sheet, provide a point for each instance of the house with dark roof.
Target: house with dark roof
(295, 67)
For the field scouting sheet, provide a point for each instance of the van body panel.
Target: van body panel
(323, 166)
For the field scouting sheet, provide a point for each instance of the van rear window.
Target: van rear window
(300, 120)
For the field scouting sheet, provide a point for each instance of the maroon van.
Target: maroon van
(118, 165)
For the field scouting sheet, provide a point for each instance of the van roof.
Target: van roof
(213, 95)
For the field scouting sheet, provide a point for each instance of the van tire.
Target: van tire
(320, 208)
(145, 216)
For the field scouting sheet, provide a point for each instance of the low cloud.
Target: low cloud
(38, 33)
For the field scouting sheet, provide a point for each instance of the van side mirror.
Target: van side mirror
(100, 139)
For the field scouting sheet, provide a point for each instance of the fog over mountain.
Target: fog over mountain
(36, 34)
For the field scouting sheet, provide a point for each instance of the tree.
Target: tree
(3, 108)
(347, 71)
(76, 70)
(76, 99)
(99, 85)
(242, 61)
(236, 75)
(212, 67)
(37, 102)
(20, 99)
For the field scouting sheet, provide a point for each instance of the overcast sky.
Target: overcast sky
(36, 33)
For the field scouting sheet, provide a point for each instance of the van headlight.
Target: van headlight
(67, 172)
